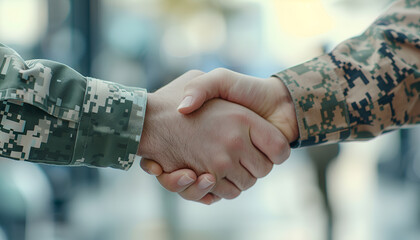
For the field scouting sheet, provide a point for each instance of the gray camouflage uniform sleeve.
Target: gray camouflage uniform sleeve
(52, 114)
(366, 86)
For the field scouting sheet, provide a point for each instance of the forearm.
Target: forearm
(52, 114)
(366, 86)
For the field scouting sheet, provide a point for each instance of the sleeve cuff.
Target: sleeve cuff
(320, 104)
(110, 126)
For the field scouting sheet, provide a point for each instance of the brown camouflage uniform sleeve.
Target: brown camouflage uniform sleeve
(52, 114)
(366, 86)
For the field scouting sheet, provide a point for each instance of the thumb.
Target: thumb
(151, 167)
(204, 88)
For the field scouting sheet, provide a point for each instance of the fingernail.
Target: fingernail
(205, 183)
(185, 180)
(186, 102)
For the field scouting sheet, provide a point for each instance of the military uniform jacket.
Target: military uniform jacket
(364, 87)
(51, 114)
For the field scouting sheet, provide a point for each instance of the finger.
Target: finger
(233, 170)
(215, 198)
(205, 87)
(226, 189)
(269, 140)
(200, 188)
(209, 199)
(178, 180)
(256, 163)
(241, 177)
(151, 167)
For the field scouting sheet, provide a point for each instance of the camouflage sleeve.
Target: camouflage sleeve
(366, 86)
(51, 114)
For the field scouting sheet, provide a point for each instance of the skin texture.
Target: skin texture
(269, 98)
(229, 141)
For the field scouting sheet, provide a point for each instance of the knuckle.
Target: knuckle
(274, 138)
(258, 166)
(195, 72)
(226, 190)
(281, 143)
(284, 149)
(235, 142)
(287, 152)
(281, 149)
(266, 170)
(249, 184)
(195, 85)
(191, 85)
(232, 194)
(221, 72)
(242, 117)
(223, 164)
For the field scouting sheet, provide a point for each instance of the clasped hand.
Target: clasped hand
(209, 136)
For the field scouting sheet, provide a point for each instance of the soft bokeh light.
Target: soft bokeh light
(201, 33)
(303, 18)
(23, 21)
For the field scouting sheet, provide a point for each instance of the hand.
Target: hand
(227, 140)
(184, 182)
(269, 98)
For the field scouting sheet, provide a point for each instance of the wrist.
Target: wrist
(149, 127)
(289, 125)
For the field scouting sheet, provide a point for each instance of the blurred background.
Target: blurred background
(367, 190)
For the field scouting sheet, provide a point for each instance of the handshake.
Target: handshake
(209, 136)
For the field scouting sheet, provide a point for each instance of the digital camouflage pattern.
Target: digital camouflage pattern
(52, 114)
(366, 86)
